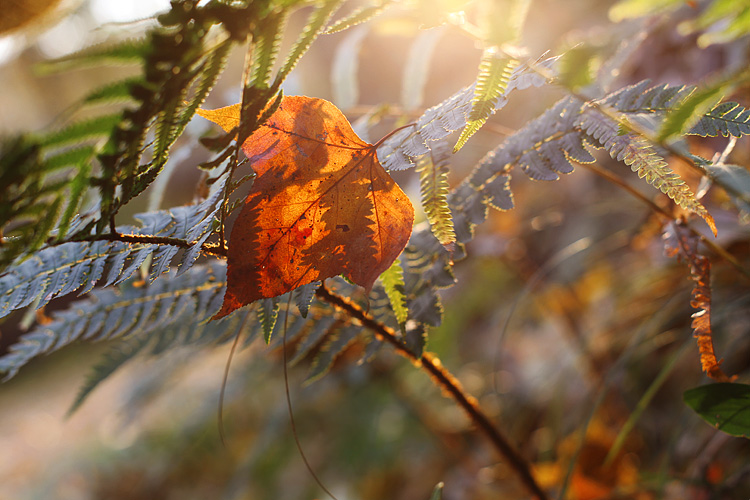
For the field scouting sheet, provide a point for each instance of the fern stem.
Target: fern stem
(147, 239)
(448, 383)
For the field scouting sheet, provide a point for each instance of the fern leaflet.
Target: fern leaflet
(59, 270)
(494, 75)
(107, 314)
(433, 179)
(359, 16)
(635, 152)
(727, 118)
(393, 283)
(315, 25)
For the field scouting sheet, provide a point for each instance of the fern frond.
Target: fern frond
(107, 314)
(69, 158)
(727, 118)
(98, 127)
(359, 16)
(268, 313)
(334, 346)
(59, 270)
(686, 114)
(122, 53)
(304, 295)
(640, 98)
(494, 75)
(315, 25)
(433, 180)
(641, 157)
(319, 328)
(267, 48)
(450, 115)
(393, 284)
(116, 92)
(77, 189)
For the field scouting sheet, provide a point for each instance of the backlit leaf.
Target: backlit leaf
(726, 406)
(321, 205)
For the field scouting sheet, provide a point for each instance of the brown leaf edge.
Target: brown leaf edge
(680, 242)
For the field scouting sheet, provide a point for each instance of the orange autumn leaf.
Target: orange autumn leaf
(321, 205)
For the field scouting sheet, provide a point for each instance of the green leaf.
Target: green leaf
(726, 406)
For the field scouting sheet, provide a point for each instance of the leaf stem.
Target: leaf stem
(392, 132)
(446, 381)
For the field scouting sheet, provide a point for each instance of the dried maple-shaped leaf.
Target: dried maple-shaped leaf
(321, 205)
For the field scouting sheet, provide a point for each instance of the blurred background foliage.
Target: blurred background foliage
(568, 322)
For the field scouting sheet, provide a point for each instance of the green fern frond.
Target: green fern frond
(315, 25)
(267, 48)
(98, 127)
(433, 181)
(393, 283)
(77, 190)
(494, 74)
(123, 53)
(359, 16)
(641, 157)
(116, 92)
(69, 158)
(108, 314)
(728, 118)
(214, 65)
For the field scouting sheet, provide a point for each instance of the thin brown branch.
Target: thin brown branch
(448, 383)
